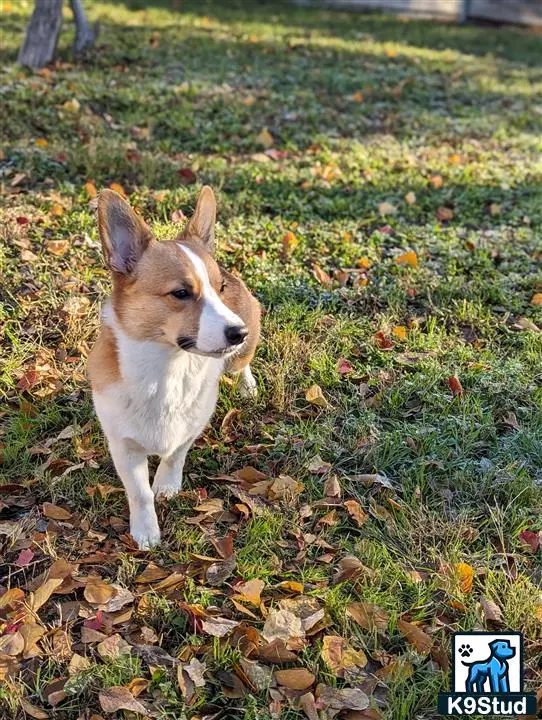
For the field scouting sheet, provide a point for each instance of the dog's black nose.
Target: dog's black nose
(235, 334)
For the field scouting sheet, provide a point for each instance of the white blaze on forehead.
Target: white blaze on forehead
(215, 316)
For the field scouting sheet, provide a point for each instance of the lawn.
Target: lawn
(379, 185)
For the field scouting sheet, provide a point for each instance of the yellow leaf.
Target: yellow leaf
(265, 138)
(90, 189)
(72, 105)
(407, 258)
(249, 100)
(57, 210)
(57, 247)
(454, 159)
(436, 181)
(249, 591)
(358, 97)
(400, 332)
(387, 208)
(465, 574)
(391, 53)
(364, 262)
(536, 299)
(42, 142)
(289, 243)
(410, 198)
(315, 396)
(118, 189)
(494, 209)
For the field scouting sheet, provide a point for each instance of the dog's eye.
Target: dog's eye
(223, 286)
(180, 294)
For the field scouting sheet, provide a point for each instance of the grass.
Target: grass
(363, 109)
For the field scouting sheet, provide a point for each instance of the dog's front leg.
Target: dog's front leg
(248, 387)
(168, 480)
(131, 464)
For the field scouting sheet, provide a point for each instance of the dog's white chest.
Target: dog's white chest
(164, 400)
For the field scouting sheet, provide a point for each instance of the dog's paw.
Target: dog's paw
(248, 391)
(165, 491)
(465, 650)
(146, 533)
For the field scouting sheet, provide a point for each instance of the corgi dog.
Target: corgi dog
(175, 321)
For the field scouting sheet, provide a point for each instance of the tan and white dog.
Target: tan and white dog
(174, 323)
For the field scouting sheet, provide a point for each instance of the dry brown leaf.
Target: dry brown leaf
(386, 208)
(90, 189)
(415, 636)
(98, 592)
(54, 512)
(536, 299)
(349, 568)
(333, 700)
(113, 647)
(219, 627)
(117, 187)
(151, 573)
(295, 678)
(249, 591)
(117, 601)
(120, 698)
(491, 611)
(444, 214)
(315, 396)
(320, 275)
(340, 657)
(356, 512)
(276, 653)
(265, 138)
(368, 616)
(31, 710)
(282, 625)
(436, 181)
(43, 593)
(289, 243)
(57, 247)
(410, 198)
(332, 487)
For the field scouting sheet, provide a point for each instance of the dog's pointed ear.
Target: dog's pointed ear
(202, 222)
(124, 235)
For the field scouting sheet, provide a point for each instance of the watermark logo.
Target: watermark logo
(487, 677)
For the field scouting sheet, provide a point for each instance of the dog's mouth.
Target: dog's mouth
(189, 345)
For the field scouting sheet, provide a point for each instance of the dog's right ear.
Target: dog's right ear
(124, 235)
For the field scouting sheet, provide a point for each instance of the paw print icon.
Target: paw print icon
(465, 650)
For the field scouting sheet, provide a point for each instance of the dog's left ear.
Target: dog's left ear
(202, 223)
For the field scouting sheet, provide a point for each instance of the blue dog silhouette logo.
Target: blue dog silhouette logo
(493, 670)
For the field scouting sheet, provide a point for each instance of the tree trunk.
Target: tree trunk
(42, 34)
(85, 34)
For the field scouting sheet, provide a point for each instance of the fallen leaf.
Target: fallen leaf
(44, 592)
(98, 592)
(494, 209)
(349, 568)
(382, 341)
(276, 653)
(356, 513)
(289, 243)
(32, 710)
(57, 247)
(415, 636)
(187, 176)
(249, 591)
(368, 616)
(491, 612)
(282, 625)
(317, 466)
(333, 700)
(455, 385)
(386, 208)
(57, 210)
(407, 258)
(320, 275)
(444, 214)
(295, 678)
(218, 626)
(410, 198)
(25, 556)
(465, 574)
(344, 367)
(265, 138)
(72, 106)
(340, 657)
(358, 96)
(454, 159)
(536, 299)
(41, 143)
(120, 698)
(151, 573)
(436, 181)
(315, 396)
(524, 323)
(113, 647)
(54, 512)
(400, 332)
(530, 539)
(332, 487)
